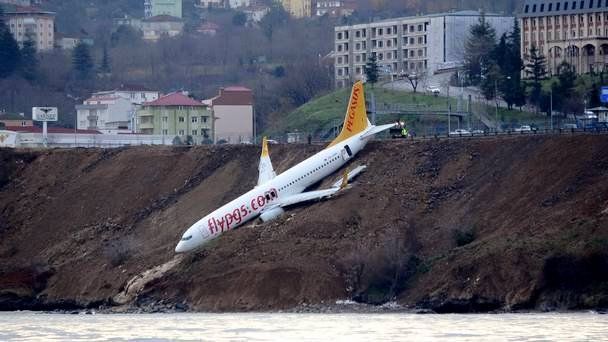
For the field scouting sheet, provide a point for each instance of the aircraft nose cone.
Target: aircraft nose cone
(180, 248)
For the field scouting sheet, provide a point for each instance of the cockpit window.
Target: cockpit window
(186, 238)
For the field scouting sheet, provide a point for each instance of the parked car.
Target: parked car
(524, 129)
(459, 132)
(433, 90)
(569, 126)
(477, 131)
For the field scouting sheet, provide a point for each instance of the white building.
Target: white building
(420, 44)
(161, 26)
(106, 114)
(239, 3)
(114, 111)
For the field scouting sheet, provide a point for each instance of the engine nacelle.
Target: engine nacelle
(271, 214)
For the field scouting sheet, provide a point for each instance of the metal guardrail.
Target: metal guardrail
(511, 133)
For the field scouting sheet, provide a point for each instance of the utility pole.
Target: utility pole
(496, 98)
(551, 106)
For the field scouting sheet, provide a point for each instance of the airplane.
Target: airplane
(274, 193)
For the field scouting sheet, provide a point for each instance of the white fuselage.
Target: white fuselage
(252, 204)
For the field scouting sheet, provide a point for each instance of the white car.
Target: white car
(433, 90)
(523, 129)
(459, 132)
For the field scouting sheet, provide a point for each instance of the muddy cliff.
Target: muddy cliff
(453, 226)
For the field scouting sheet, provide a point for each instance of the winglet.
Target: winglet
(344, 183)
(355, 120)
(266, 171)
(264, 147)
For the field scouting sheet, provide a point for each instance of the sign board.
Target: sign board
(44, 114)
(604, 95)
(8, 139)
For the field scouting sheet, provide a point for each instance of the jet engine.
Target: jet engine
(272, 214)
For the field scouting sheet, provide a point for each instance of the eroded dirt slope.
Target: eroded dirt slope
(466, 225)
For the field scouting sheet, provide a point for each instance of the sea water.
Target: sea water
(26, 326)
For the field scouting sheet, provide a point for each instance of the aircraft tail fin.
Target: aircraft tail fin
(266, 171)
(355, 120)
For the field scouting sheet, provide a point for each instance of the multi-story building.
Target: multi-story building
(420, 44)
(147, 8)
(105, 113)
(167, 7)
(239, 3)
(154, 28)
(334, 8)
(29, 22)
(213, 4)
(114, 111)
(571, 31)
(176, 114)
(233, 111)
(298, 8)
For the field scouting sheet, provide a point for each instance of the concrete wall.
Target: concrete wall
(14, 139)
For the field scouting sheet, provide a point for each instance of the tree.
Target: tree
(239, 19)
(564, 95)
(371, 70)
(105, 67)
(478, 48)
(10, 55)
(415, 78)
(82, 62)
(536, 71)
(28, 67)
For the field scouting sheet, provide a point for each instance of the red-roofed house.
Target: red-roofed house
(177, 114)
(233, 112)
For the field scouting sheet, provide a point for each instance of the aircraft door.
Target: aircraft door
(347, 153)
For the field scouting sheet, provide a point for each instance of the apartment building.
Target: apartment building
(233, 112)
(571, 31)
(27, 22)
(114, 111)
(298, 8)
(105, 113)
(176, 114)
(420, 44)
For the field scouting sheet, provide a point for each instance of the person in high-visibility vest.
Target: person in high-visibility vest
(404, 132)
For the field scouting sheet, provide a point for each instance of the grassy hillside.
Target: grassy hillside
(322, 113)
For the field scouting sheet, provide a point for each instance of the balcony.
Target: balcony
(146, 125)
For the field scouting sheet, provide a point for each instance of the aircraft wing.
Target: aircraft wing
(340, 184)
(308, 196)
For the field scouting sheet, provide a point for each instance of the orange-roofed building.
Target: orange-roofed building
(233, 112)
(177, 114)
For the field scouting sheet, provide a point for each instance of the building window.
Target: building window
(181, 132)
(165, 132)
(181, 119)
(420, 40)
(23, 123)
(194, 119)
(558, 5)
(194, 132)
(542, 7)
(165, 119)
(204, 119)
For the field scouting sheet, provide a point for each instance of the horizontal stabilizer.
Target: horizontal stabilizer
(351, 174)
(376, 130)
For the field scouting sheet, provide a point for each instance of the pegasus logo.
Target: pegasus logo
(352, 109)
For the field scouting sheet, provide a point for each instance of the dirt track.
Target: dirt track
(467, 225)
